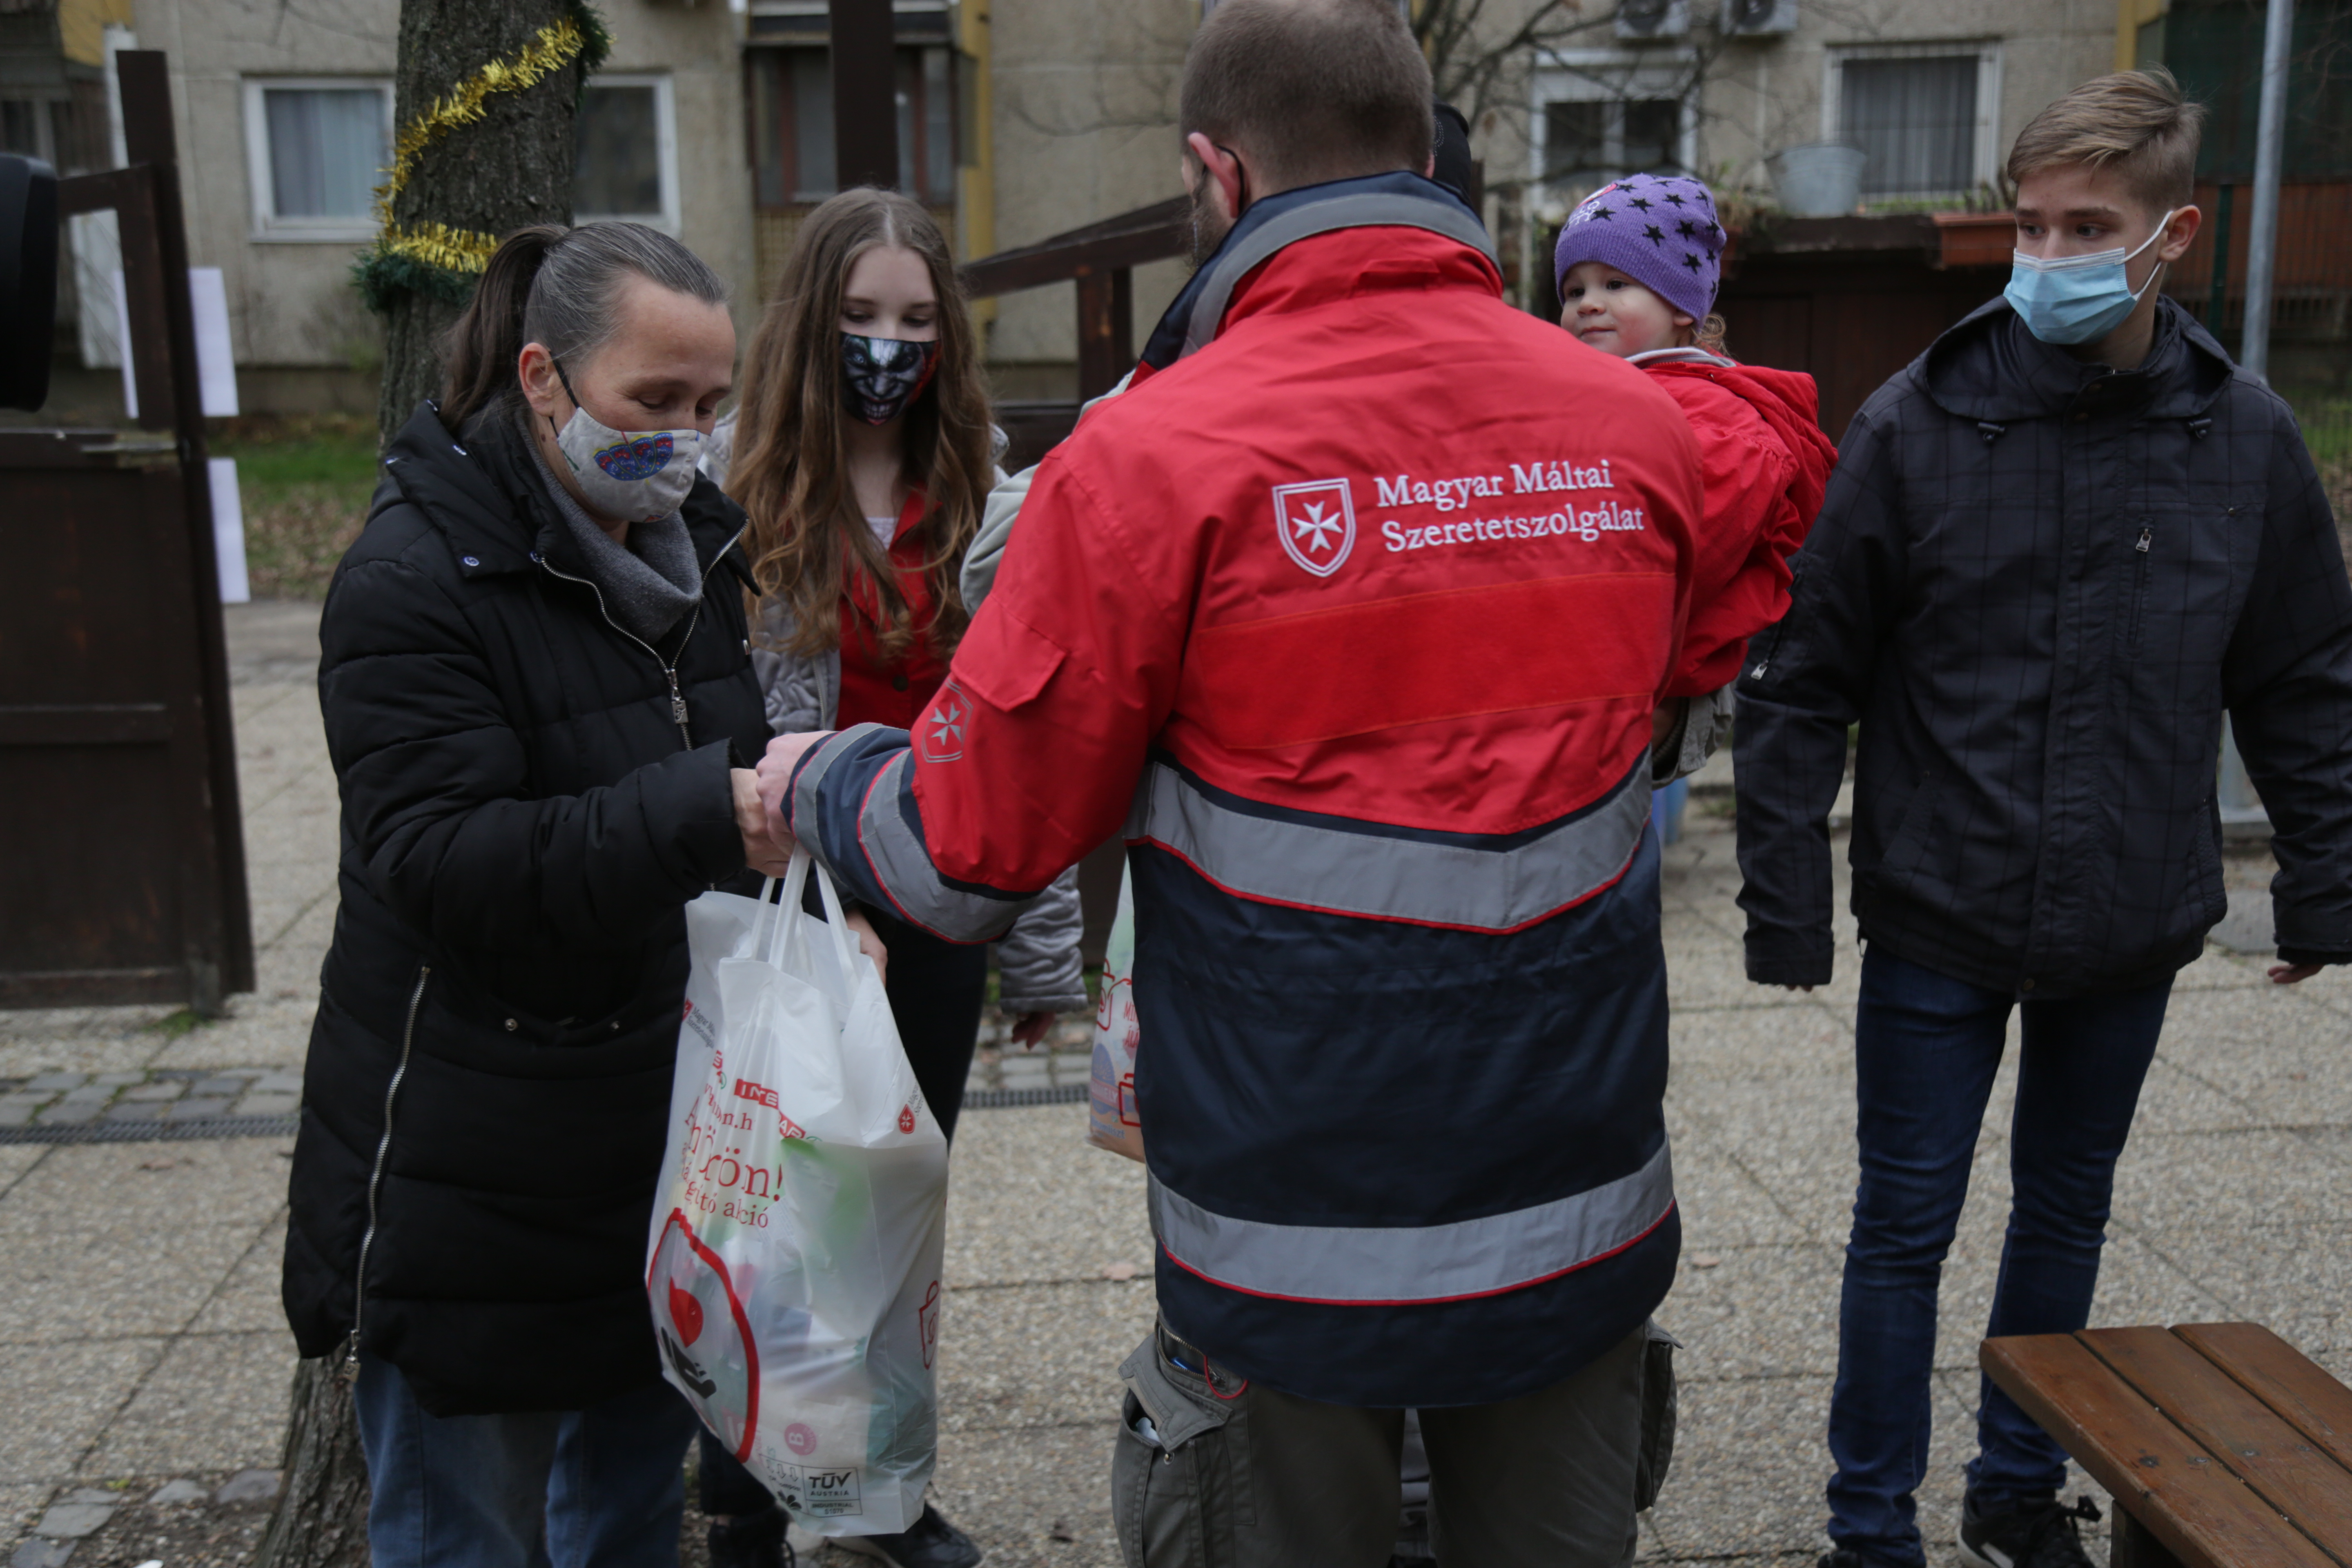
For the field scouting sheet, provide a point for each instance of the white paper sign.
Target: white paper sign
(215, 361)
(228, 530)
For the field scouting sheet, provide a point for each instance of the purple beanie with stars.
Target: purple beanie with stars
(1657, 229)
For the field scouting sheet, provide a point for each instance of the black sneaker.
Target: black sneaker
(1842, 1558)
(753, 1540)
(933, 1542)
(2032, 1536)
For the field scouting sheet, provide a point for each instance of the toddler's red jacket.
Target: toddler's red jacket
(1765, 465)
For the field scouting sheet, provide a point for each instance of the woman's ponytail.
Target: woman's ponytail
(487, 339)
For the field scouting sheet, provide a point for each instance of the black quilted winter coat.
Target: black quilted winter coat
(2038, 585)
(524, 820)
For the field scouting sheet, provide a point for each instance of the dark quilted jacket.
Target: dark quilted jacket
(2038, 585)
(522, 826)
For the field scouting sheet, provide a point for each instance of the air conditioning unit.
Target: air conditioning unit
(1759, 18)
(1640, 19)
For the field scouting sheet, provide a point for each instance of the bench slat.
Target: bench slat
(2283, 1378)
(2301, 1481)
(2188, 1499)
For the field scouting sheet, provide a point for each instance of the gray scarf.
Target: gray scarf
(648, 588)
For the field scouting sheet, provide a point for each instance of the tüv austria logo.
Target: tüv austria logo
(1317, 522)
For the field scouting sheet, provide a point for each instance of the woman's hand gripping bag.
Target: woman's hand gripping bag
(1111, 1120)
(793, 1265)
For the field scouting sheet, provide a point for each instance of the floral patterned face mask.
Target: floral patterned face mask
(634, 475)
(882, 375)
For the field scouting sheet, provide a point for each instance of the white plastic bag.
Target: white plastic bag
(1111, 1120)
(793, 1265)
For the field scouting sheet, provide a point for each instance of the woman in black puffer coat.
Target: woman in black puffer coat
(539, 708)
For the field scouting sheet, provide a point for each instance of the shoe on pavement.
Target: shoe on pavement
(753, 1540)
(932, 1543)
(1842, 1558)
(2034, 1535)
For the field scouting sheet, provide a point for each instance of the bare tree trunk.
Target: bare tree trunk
(510, 168)
(321, 1519)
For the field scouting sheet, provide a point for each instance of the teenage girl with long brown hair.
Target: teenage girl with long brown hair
(862, 453)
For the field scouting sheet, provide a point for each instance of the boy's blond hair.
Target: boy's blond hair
(2135, 122)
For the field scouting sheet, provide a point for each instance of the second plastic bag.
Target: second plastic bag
(794, 1264)
(1111, 1120)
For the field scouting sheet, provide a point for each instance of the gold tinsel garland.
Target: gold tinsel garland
(436, 245)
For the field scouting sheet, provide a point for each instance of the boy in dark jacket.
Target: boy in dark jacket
(2056, 549)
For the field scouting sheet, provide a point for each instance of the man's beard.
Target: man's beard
(1208, 226)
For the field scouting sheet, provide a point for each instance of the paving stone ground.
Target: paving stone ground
(144, 1360)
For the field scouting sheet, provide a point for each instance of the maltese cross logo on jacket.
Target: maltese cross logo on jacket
(939, 735)
(1318, 523)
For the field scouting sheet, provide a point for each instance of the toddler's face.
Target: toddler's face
(1609, 312)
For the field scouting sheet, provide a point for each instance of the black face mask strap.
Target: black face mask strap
(567, 392)
(1241, 178)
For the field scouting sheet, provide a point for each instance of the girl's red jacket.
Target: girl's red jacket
(1765, 465)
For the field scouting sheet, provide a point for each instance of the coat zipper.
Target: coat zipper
(677, 713)
(375, 1176)
(2140, 594)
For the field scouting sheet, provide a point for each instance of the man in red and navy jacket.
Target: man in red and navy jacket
(1353, 611)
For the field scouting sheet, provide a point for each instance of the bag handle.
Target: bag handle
(791, 920)
(770, 947)
(838, 919)
(760, 921)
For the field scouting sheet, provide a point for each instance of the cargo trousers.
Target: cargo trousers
(1214, 1471)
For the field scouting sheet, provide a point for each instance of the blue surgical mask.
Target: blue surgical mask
(2069, 300)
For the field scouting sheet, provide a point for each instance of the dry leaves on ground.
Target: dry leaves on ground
(292, 545)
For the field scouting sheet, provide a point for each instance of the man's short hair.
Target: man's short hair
(2135, 122)
(1310, 89)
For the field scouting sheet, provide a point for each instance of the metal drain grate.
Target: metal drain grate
(1015, 1099)
(285, 1126)
(155, 1131)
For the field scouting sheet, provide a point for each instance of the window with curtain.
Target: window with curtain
(1916, 119)
(326, 150)
(619, 166)
(791, 125)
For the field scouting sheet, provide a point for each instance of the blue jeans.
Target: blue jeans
(601, 1488)
(1926, 1050)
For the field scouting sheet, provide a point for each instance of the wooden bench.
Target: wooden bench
(2222, 1445)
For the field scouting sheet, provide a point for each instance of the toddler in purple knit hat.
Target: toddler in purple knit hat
(1658, 233)
(1638, 265)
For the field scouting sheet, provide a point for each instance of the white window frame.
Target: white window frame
(666, 139)
(1986, 158)
(1613, 76)
(268, 227)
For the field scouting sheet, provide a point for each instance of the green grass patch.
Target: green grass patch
(2326, 421)
(172, 1025)
(304, 482)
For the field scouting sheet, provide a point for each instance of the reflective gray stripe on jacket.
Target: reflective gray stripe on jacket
(1390, 1265)
(1343, 867)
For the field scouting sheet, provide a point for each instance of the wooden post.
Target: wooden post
(170, 396)
(865, 95)
(1105, 329)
